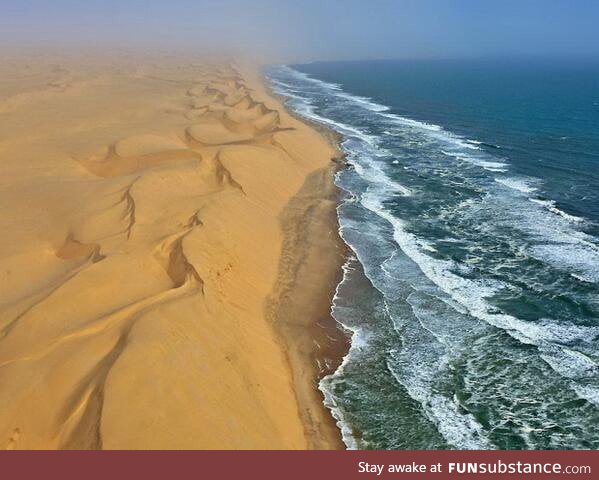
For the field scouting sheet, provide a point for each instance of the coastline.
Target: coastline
(173, 253)
(309, 273)
(300, 306)
(310, 269)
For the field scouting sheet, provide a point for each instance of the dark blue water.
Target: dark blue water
(472, 209)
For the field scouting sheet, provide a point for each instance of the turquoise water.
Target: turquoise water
(471, 206)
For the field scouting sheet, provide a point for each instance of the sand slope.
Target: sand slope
(140, 255)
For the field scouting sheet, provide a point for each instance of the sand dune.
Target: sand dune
(143, 227)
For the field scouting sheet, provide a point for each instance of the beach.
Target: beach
(168, 256)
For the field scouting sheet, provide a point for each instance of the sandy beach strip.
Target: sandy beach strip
(168, 254)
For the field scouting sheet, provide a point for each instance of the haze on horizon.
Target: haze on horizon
(305, 30)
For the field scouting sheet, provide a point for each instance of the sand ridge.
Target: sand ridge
(141, 241)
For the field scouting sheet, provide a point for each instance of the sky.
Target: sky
(306, 30)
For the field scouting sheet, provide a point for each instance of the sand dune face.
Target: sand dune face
(141, 239)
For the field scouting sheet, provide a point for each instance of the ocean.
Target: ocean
(470, 203)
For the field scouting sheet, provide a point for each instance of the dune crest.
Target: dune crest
(141, 248)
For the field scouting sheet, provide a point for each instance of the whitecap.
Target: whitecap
(412, 123)
(372, 173)
(304, 76)
(586, 392)
(583, 259)
(459, 429)
(491, 166)
(522, 185)
(551, 206)
(366, 102)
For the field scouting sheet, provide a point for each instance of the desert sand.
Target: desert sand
(168, 251)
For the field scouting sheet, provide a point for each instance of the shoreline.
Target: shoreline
(310, 270)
